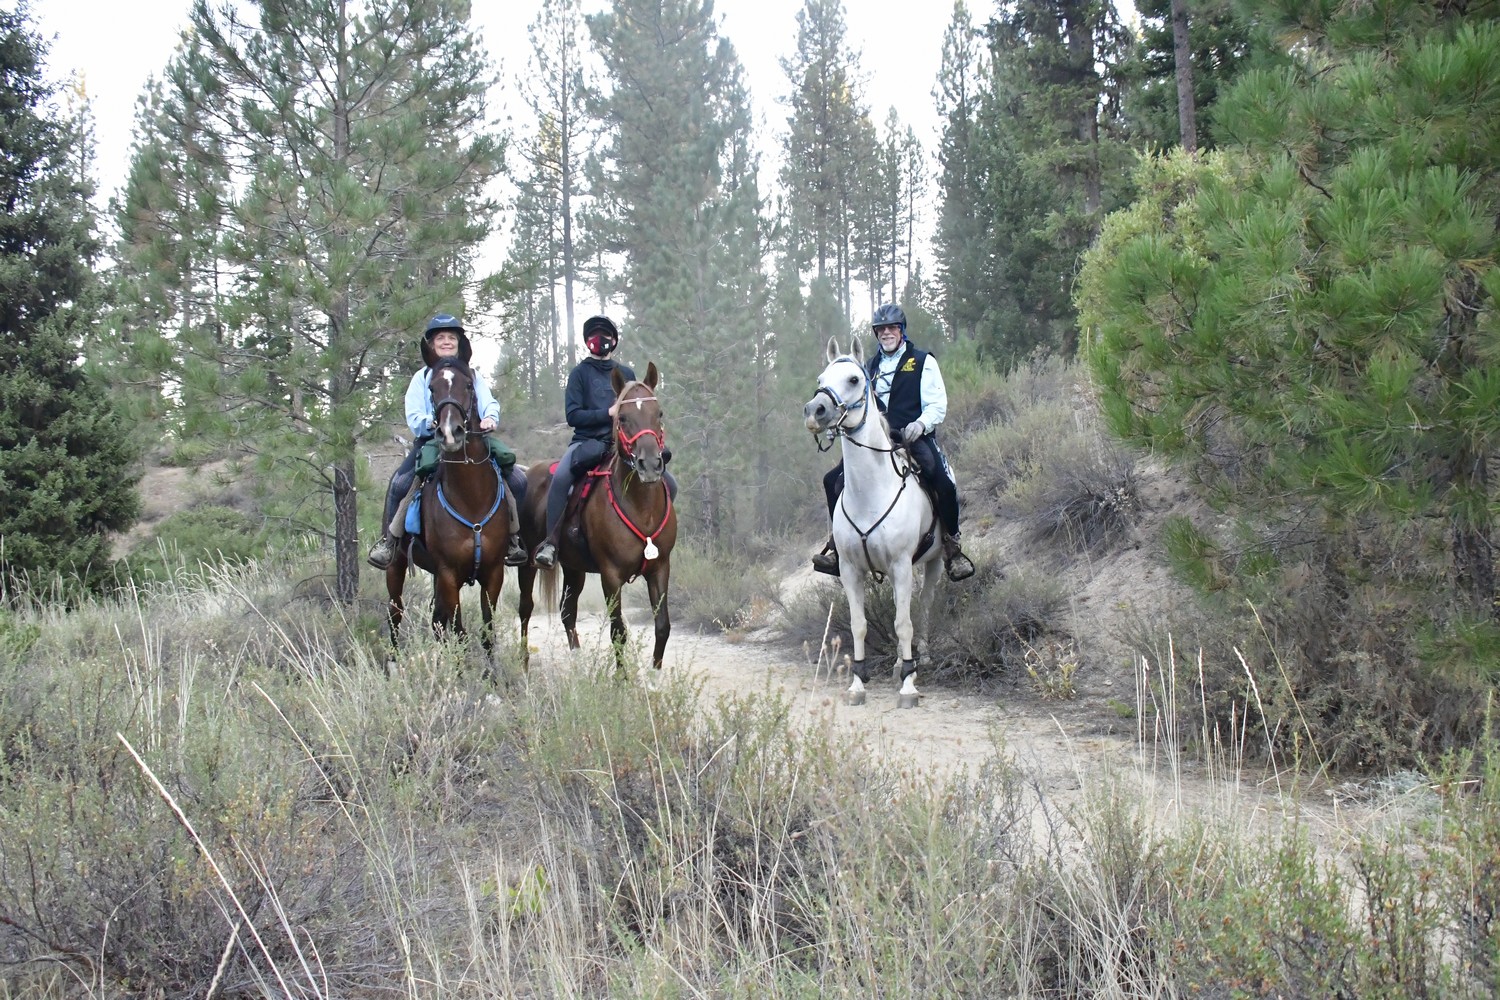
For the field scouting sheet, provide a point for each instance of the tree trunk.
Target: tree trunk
(1182, 54)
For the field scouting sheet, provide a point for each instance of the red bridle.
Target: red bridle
(627, 444)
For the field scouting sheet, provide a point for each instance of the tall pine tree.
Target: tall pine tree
(355, 140)
(1313, 311)
(66, 464)
(679, 203)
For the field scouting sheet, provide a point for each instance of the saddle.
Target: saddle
(586, 476)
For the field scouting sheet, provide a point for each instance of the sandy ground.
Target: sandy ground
(1058, 747)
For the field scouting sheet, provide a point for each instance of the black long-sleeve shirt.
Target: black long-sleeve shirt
(589, 396)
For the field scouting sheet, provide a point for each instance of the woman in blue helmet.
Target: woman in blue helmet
(910, 392)
(443, 338)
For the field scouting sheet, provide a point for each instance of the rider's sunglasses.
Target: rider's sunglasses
(881, 329)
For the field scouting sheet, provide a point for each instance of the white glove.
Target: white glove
(912, 431)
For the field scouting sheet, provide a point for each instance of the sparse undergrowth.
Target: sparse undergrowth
(353, 832)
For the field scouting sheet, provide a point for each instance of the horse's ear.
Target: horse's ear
(651, 374)
(857, 350)
(833, 349)
(617, 380)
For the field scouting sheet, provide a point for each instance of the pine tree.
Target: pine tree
(555, 92)
(67, 474)
(828, 146)
(358, 152)
(959, 243)
(1221, 45)
(679, 202)
(1314, 310)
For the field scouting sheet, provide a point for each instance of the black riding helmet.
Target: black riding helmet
(443, 321)
(888, 314)
(600, 334)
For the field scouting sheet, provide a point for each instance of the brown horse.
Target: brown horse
(465, 523)
(623, 528)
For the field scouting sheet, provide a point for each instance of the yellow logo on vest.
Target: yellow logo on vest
(910, 366)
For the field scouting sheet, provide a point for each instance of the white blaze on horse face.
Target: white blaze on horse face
(448, 374)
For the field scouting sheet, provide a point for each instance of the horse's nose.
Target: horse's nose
(814, 413)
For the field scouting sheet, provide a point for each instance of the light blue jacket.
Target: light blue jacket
(419, 403)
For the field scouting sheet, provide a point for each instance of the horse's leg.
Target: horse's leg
(656, 590)
(902, 579)
(525, 579)
(613, 588)
(572, 586)
(395, 587)
(854, 591)
(927, 580)
(612, 584)
(445, 604)
(489, 598)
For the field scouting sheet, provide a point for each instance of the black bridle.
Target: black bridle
(465, 410)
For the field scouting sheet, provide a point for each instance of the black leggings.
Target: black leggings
(930, 469)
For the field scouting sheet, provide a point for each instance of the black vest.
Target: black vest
(905, 401)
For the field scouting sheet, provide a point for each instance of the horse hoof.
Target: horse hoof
(908, 699)
(854, 698)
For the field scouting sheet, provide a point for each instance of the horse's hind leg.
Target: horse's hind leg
(525, 605)
(572, 587)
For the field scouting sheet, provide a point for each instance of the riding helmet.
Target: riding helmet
(443, 321)
(889, 314)
(600, 334)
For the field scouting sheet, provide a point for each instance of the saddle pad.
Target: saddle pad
(414, 515)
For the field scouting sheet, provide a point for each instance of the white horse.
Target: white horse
(883, 515)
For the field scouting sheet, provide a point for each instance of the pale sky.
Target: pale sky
(116, 46)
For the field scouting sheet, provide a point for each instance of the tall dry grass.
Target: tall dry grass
(214, 789)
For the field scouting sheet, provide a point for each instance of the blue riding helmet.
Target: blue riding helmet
(443, 321)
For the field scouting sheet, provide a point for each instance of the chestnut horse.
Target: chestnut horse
(465, 521)
(624, 527)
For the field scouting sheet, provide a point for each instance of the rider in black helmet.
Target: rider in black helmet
(910, 392)
(588, 404)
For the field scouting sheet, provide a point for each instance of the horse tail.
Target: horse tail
(548, 580)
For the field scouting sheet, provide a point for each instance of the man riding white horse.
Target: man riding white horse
(909, 390)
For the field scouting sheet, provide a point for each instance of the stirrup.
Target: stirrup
(827, 562)
(515, 553)
(382, 552)
(546, 555)
(960, 567)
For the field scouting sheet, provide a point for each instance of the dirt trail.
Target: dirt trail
(1057, 747)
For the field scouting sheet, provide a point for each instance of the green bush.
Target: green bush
(209, 535)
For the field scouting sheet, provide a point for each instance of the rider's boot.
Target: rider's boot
(958, 565)
(381, 552)
(827, 561)
(515, 551)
